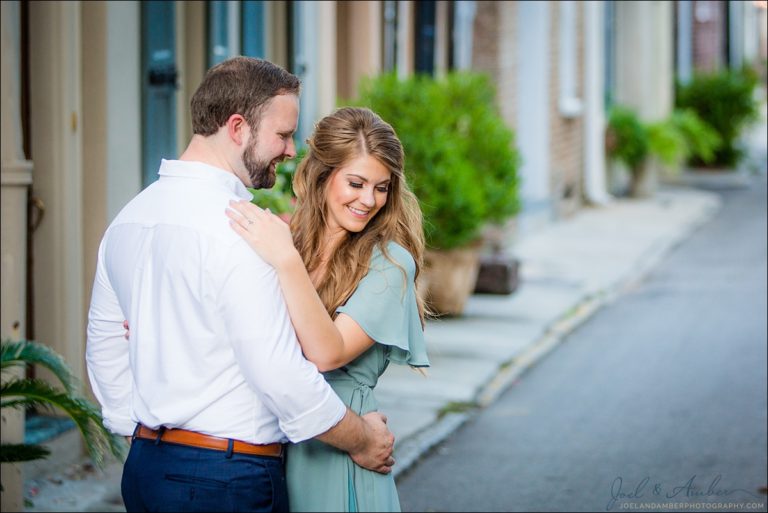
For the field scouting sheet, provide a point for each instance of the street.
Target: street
(657, 403)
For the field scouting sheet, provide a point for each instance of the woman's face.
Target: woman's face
(355, 193)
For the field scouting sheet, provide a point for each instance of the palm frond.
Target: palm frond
(98, 439)
(13, 453)
(21, 352)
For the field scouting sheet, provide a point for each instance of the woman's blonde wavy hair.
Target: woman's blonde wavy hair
(340, 137)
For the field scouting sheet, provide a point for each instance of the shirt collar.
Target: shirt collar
(202, 171)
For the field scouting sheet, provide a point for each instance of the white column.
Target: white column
(464, 19)
(56, 114)
(644, 74)
(124, 105)
(594, 114)
(645, 70)
(532, 124)
(684, 40)
(12, 144)
(15, 178)
(326, 57)
(404, 58)
(569, 103)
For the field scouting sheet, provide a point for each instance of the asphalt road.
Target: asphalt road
(657, 403)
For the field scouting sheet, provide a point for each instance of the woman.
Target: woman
(347, 268)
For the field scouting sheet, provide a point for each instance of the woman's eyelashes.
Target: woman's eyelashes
(380, 188)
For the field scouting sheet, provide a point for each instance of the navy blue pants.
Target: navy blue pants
(170, 477)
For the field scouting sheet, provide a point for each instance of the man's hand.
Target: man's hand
(376, 455)
(366, 439)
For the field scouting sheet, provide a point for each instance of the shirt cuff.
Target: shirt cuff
(317, 421)
(123, 427)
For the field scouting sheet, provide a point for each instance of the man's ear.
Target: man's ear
(236, 128)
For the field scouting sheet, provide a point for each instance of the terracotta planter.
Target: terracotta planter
(448, 278)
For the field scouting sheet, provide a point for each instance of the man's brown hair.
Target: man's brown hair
(240, 85)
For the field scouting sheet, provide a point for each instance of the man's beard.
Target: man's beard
(258, 170)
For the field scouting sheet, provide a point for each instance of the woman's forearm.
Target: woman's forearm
(320, 339)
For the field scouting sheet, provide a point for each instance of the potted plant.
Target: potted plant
(681, 136)
(627, 143)
(460, 162)
(724, 100)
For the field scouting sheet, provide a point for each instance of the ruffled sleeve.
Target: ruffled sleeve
(384, 305)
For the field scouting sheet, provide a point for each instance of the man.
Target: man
(212, 380)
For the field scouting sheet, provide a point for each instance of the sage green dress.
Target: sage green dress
(320, 477)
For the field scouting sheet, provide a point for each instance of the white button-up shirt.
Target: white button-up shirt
(211, 348)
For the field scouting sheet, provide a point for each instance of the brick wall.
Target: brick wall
(485, 39)
(709, 35)
(494, 50)
(566, 134)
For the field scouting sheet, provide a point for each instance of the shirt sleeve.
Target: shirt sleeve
(265, 345)
(106, 353)
(384, 305)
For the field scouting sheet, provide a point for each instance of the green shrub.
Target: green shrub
(701, 140)
(725, 101)
(23, 393)
(627, 138)
(486, 139)
(280, 198)
(683, 135)
(277, 201)
(286, 170)
(459, 155)
(666, 142)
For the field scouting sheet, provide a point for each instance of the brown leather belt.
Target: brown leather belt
(194, 439)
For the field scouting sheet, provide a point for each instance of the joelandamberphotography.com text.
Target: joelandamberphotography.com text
(691, 494)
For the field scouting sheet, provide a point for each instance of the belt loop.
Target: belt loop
(136, 430)
(230, 448)
(160, 432)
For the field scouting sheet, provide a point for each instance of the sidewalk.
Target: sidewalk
(568, 271)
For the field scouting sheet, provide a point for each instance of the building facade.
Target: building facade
(95, 93)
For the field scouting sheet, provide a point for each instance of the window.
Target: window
(390, 35)
(252, 27)
(235, 28)
(223, 31)
(424, 59)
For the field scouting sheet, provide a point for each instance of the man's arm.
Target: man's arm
(107, 354)
(265, 346)
(366, 439)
